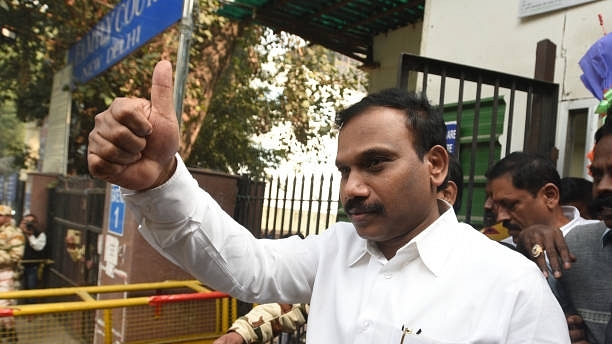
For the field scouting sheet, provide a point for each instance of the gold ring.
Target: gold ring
(536, 250)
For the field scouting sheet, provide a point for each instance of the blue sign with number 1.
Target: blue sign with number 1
(116, 211)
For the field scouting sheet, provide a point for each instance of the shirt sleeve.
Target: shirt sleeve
(12, 250)
(185, 224)
(537, 315)
(38, 242)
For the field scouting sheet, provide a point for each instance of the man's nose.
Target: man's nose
(355, 186)
(502, 214)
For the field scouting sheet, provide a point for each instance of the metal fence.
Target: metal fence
(76, 212)
(289, 205)
(163, 312)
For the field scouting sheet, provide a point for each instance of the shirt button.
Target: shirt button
(364, 325)
(388, 275)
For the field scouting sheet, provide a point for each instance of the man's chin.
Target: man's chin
(366, 232)
(601, 209)
(370, 232)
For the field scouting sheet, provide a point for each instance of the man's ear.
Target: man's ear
(437, 158)
(551, 194)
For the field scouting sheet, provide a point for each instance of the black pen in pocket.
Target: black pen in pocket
(406, 331)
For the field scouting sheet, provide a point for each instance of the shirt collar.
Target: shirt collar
(360, 251)
(570, 212)
(432, 245)
(435, 243)
(573, 215)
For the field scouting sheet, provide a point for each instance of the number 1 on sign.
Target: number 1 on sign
(116, 217)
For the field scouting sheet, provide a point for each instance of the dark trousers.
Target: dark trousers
(30, 279)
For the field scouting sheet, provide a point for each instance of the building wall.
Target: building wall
(494, 37)
(474, 32)
(387, 49)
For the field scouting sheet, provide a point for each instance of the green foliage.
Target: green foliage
(243, 81)
(14, 153)
(293, 85)
(236, 113)
(44, 33)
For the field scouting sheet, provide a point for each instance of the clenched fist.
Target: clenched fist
(134, 141)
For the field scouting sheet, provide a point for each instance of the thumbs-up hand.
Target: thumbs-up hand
(134, 141)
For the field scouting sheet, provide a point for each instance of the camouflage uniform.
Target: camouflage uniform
(12, 243)
(266, 321)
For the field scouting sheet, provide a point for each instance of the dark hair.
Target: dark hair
(528, 171)
(424, 120)
(576, 189)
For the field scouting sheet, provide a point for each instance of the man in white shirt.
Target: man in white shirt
(268, 320)
(405, 270)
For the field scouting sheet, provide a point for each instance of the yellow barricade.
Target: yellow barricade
(162, 312)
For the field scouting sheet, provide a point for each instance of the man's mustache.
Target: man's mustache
(511, 226)
(356, 205)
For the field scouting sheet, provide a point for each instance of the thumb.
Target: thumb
(162, 89)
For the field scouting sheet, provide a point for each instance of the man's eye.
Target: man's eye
(507, 205)
(375, 163)
(596, 174)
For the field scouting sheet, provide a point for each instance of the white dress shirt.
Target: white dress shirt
(38, 242)
(575, 218)
(450, 284)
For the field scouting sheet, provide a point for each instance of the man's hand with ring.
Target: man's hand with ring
(550, 240)
(536, 250)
